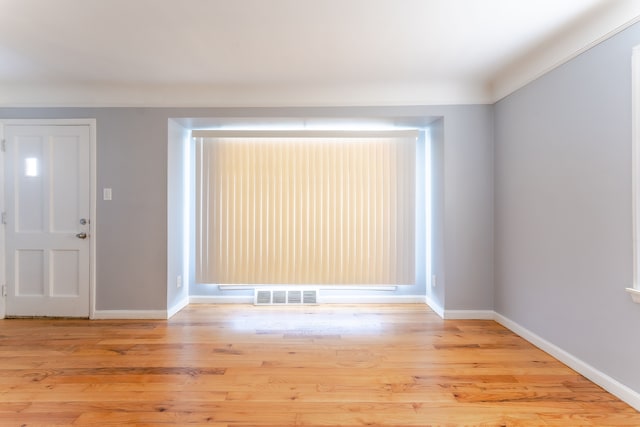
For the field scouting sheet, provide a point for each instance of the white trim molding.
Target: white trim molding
(3, 277)
(608, 383)
(95, 95)
(433, 305)
(575, 40)
(172, 311)
(130, 315)
(469, 314)
(634, 291)
(635, 294)
(603, 380)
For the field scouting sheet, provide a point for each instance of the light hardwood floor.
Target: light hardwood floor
(395, 365)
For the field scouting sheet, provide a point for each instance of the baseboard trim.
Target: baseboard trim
(177, 307)
(130, 314)
(437, 308)
(469, 314)
(460, 314)
(221, 299)
(608, 383)
(613, 386)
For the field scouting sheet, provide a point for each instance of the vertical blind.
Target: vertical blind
(332, 208)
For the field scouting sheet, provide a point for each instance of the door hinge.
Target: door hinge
(4, 145)
(4, 217)
(4, 290)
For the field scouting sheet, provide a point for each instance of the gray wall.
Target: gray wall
(563, 233)
(132, 238)
(468, 208)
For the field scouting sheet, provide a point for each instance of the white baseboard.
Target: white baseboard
(371, 299)
(613, 386)
(469, 314)
(221, 299)
(177, 307)
(606, 382)
(437, 308)
(130, 314)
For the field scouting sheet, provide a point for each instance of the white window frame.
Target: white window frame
(634, 290)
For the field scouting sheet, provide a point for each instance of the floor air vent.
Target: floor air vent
(285, 297)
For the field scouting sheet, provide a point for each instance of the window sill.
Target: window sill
(635, 294)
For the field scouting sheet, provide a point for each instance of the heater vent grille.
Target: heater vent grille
(285, 297)
(310, 297)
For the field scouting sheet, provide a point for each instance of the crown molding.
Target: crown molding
(598, 26)
(264, 95)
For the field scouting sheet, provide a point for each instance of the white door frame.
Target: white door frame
(93, 186)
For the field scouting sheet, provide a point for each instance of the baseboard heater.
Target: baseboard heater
(274, 296)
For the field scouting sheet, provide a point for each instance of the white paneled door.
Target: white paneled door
(47, 193)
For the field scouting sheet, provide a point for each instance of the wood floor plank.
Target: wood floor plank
(235, 366)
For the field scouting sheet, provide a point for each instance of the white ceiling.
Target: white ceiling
(289, 52)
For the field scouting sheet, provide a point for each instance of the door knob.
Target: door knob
(82, 235)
